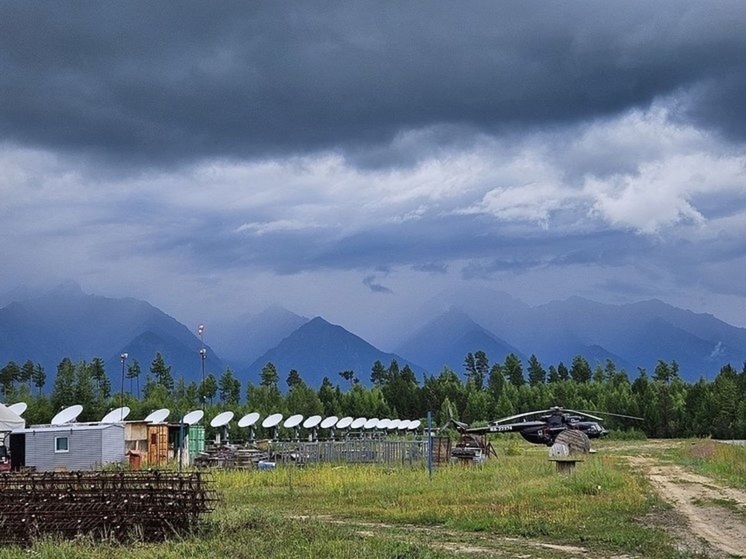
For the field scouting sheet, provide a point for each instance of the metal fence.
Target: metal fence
(388, 452)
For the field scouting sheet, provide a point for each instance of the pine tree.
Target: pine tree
(269, 376)
(208, 389)
(162, 372)
(328, 397)
(513, 370)
(496, 381)
(27, 372)
(293, 379)
(580, 371)
(9, 375)
(39, 377)
(349, 376)
(63, 391)
(133, 372)
(230, 387)
(536, 373)
(378, 374)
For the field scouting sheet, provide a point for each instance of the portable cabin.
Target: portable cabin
(196, 440)
(68, 447)
(151, 440)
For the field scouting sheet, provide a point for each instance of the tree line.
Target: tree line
(669, 405)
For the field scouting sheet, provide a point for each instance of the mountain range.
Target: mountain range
(66, 322)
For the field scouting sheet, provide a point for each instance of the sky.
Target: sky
(359, 160)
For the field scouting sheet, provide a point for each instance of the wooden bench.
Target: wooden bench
(565, 464)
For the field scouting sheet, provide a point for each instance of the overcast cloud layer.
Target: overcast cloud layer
(355, 159)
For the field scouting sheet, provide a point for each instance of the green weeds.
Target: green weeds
(514, 502)
(725, 462)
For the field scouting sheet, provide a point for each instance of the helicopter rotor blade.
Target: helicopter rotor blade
(586, 414)
(496, 421)
(620, 415)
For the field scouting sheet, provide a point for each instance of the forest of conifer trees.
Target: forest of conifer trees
(483, 391)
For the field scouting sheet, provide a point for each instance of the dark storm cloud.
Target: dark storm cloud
(145, 82)
(371, 283)
(213, 242)
(431, 268)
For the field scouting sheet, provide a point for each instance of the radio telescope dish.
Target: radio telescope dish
(117, 415)
(404, 424)
(193, 417)
(293, 421)
(67, 415)
(329, 422)
(383, 424)
(414, 425)
(393, 424)
(371, 423)
(344, 423)
(18, 408)
(312, 422)
(272, 420)
(358, 423)
(158, 416)
(249, 419)
(221, 419)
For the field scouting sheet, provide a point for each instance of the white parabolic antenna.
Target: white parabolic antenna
(293, 421)
(192, 417)
(329, 422)
(344, 423)
(383, 424)
(272, 420)
(414, 425)
(393, 424)
(18, 408)
(221, 419)
(371, 423)
(358, 423)
(312, 422)
(404, 425)
(67, 415)
(117, 415)
(249, 419)
(158, 416)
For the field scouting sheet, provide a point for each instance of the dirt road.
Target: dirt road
(715, 516)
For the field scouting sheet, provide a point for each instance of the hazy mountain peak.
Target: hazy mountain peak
(275, 310)
(319, 348)
(68, 287)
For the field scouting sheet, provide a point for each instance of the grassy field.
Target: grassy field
(724, 462)
(516, 505)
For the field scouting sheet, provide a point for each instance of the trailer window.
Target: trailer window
(61, 444)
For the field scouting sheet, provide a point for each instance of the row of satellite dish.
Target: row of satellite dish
(117, 415)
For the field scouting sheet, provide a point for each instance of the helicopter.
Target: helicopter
(547, 425)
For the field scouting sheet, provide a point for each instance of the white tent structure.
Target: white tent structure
(10, 421)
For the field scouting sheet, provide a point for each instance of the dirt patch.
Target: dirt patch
(704, 449)
(467, 543)
(714, 515)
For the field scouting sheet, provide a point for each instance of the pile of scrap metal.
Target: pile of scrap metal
(232, 457)
(125, 505)
(472, 448)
